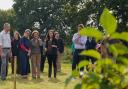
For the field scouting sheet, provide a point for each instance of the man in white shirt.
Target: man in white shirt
(5, 49)
(79, 43)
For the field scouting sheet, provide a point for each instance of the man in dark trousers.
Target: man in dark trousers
(90, 44)
(79, 44)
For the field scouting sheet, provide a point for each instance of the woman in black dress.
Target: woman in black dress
(15, 51)
(51, 47)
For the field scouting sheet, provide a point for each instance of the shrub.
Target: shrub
(111, 68)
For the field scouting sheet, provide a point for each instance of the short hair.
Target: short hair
(81, 25)
(6, 24)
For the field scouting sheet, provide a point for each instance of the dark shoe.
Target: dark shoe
(3, 79)
(38, 77)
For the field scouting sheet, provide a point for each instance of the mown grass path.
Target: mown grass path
(43, 83)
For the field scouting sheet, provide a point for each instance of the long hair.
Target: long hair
(16, 32)
(48, 37)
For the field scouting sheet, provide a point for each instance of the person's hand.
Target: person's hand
(45, 49)
(98, 46)
(10, 54)
(29, 52)
(79, 35)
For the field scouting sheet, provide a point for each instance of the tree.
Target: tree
(8, 16)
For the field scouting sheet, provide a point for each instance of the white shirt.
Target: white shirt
(79, 41)
(5, 39)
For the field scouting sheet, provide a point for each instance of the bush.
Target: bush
(111, 68)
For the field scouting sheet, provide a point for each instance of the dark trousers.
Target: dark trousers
(77, 58)
(42, 63)
(24, 63)
(52, 61)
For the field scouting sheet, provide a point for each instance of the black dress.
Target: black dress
(15, 52)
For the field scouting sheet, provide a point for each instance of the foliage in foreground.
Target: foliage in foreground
(111, 69)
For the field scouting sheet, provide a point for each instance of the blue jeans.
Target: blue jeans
(4, 63)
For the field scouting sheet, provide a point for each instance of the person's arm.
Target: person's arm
(46, 46)
(83, 40)
(55, 44)
(22, 46)
(1, 51)
(40, 42)
(75, 38)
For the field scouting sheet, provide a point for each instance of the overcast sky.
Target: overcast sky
(6, 4)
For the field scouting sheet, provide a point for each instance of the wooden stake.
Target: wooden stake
(15, 68)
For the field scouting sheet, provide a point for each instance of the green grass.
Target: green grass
(43, 83)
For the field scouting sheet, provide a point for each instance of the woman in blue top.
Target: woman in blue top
(24, 46)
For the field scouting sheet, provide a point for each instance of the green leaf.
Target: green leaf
(121, 36)
(124, 83)
(78, 86)
(91, 53)
(91, 32)
(75, 73)
(94, 77)
(108, 21)
(113, 50)
(123, 60)
(83, 64)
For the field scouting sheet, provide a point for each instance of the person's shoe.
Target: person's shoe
(24, 77)
(38, 77)
(50, 79)
(81, 74)
(3, 79)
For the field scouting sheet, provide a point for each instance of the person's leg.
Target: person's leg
(12, 65)
(3, 65)
(8, 59)
(50, 66)
(42, 62)
(38, 65)
(54, 65)
(75, 60)
(33, 63)
(58, 61)
(0, 66)
(18, 65)
(24, 65)
(81, 58)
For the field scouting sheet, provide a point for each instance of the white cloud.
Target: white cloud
(6, 4)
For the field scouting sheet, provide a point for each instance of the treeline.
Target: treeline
(63, 15)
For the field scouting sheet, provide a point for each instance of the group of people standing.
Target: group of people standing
(30, 47)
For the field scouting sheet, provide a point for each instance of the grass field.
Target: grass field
(43, 83)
